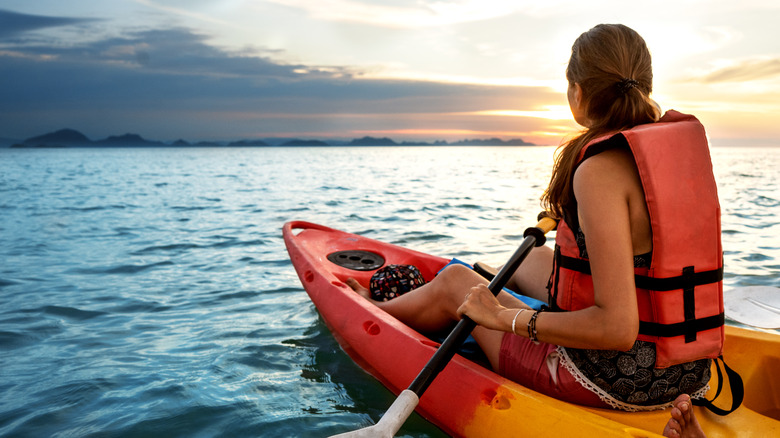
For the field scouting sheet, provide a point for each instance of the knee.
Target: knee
(456, 272)
(453, 283)
(457, 278)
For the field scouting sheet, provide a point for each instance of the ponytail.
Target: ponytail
(612, 65)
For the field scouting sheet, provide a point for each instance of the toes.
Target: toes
(672, 429)
(357, 287)
(351, 282)
(678, 417)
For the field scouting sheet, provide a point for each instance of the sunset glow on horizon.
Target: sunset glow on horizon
(406, 69)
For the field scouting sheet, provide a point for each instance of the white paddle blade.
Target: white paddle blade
(393, 419)
(756, 306)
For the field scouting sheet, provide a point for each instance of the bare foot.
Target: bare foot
(683, 423)
(357, 287)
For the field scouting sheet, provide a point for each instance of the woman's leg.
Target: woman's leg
(432, 306)
(532, 276)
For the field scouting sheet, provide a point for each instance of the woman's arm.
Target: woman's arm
(609, 196)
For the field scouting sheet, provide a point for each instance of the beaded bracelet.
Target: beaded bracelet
(532, 328)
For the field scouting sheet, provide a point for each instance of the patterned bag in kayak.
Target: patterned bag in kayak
(393, 281)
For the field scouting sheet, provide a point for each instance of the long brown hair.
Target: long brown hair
(612, 65)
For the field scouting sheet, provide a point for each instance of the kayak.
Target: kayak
(469, 400)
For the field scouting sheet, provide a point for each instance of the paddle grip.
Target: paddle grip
(465, 326)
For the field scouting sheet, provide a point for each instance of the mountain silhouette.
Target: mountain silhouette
(73, 138)
(63, 137)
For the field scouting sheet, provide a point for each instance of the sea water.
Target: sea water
(147, 292)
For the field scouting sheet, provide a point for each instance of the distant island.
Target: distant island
(71, 138)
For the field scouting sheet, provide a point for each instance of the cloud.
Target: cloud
(176, 63)
(744, 71)
(169, 83)
(182, 12)
(403, 14)
(13, 24)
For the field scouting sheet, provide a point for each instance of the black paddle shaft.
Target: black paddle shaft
(533, 237)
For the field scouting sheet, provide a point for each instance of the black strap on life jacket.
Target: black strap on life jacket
(687, 281)
(552, 283)
(737, 390)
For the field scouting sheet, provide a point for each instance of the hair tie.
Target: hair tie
(626, 84)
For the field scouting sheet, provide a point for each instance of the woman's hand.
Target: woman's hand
(483, 308)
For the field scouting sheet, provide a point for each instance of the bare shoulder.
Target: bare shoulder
(612, 161)
(613, 171)
(610, 182)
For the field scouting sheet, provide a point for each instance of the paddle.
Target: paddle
(408, 399)
(756, 306)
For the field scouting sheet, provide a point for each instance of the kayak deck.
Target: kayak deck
(467, 399)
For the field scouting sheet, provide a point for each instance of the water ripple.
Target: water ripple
(71, 312)
(121, 269)
(176, 247)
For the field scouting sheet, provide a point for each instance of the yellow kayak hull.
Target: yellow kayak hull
(754, 355)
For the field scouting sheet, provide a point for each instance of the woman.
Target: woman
(588, 351)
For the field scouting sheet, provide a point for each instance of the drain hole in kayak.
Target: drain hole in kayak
(371, 328)
(501, 403)
(357, 260)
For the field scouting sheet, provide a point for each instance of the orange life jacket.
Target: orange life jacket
(680, 295)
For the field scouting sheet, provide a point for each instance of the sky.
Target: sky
(405, 69)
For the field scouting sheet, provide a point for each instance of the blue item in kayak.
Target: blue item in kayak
(531, 302)
(470, 348)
